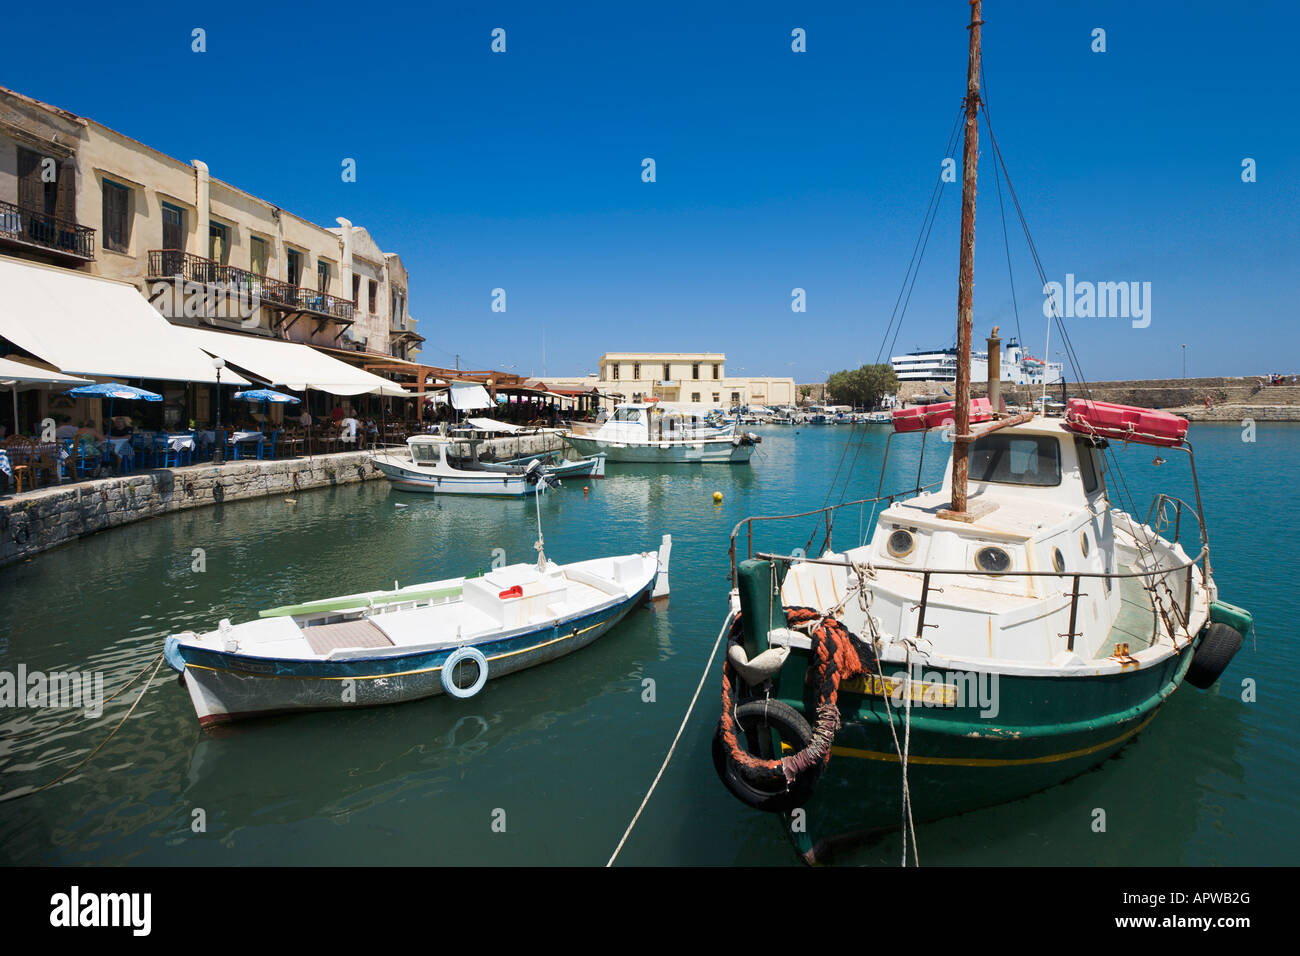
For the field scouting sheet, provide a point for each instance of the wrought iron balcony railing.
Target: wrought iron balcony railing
(170, 263)
(35, 228)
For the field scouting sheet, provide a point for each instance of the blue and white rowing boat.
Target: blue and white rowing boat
(385, 647)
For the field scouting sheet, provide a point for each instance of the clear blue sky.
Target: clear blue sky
(775, 170)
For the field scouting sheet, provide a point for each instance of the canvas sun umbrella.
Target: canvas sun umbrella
(266, 396)
(113, 391)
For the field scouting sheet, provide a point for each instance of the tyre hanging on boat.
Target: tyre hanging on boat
(1216, 650)
(459, 656)
(783, 784)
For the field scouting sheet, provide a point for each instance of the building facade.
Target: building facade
(696, 378)
(75, 193)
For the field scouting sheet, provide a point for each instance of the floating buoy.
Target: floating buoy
(585, 490)
(717, 497)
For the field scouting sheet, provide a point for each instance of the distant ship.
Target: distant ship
(940, 365)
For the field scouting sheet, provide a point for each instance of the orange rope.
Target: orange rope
(835, 658)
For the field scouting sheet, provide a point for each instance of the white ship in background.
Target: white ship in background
(940, 365)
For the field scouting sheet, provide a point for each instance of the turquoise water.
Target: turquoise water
(562, 754)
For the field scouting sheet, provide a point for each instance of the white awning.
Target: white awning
(291, 365)
(467, 396)
(21, 374)
(492, 425)
(91, 326)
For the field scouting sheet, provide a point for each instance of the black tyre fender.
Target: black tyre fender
(790, 725)
(1217, 648)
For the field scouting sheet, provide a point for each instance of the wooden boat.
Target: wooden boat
(384, 647)
(448, 466)
(999, 632)
(650, 432)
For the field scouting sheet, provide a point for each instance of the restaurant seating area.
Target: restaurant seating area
(27, 463)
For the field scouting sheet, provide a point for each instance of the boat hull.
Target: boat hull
(1006, 737)
(226, 687)
(702, 452)
(493, 484)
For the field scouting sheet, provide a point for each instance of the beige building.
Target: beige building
(698, 378)
(75, 193)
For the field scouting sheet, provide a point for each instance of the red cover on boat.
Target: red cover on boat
(1125, 423)
(922, 417)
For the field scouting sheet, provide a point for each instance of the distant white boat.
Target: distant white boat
(650, 432)
(446, 466)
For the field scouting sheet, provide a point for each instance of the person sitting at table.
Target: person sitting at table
(66, 429)
(305, 419)
(119, 427)
(337, 414)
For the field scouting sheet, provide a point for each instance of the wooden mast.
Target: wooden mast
(966, 271)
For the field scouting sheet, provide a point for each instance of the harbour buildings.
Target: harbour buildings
(696, 378)
(80, 197)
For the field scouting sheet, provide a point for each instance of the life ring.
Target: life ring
(460, 654)
(755, 717)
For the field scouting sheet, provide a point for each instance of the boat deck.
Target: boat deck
(1135, 624)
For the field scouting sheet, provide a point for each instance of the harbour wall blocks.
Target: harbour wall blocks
(47, 517)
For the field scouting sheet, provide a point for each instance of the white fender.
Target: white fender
(465, 653)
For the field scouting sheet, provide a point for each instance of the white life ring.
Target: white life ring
(465, 653)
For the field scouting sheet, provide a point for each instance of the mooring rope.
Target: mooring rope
(157, 662)
(672, 749)
(18, 735)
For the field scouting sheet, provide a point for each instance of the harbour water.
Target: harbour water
(547, 766)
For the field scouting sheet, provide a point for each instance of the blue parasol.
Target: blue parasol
(113, 391)
(265, 395)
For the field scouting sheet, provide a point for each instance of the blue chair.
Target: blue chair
(275, 436)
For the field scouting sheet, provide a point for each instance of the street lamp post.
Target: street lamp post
(218, 436)
(1184, 360)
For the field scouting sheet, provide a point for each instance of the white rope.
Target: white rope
(664, 766)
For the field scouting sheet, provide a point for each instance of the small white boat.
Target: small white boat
(385, 647)
(649, 432)
(449, 466)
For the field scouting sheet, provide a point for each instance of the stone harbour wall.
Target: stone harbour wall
(58, 514)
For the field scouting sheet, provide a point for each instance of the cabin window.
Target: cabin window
(900, 543)
(424, 452)
(1016, 460)
(1087, 466)
(627, 415)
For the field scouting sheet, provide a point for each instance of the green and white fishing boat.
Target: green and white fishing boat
(996, 634)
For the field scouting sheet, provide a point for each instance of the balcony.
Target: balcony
(173, 263)
(55, 237)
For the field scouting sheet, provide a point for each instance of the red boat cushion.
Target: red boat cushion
(1125, 423)
(922, 417)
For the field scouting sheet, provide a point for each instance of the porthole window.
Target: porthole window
(1058, 560)
(992, 559)
(1083, 542)
(901, 543)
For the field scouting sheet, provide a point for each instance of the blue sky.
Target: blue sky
(775, 170)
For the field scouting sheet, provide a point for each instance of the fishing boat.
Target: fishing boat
(996, 633)
(651, 432)
(386, 647)
(449, 466)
